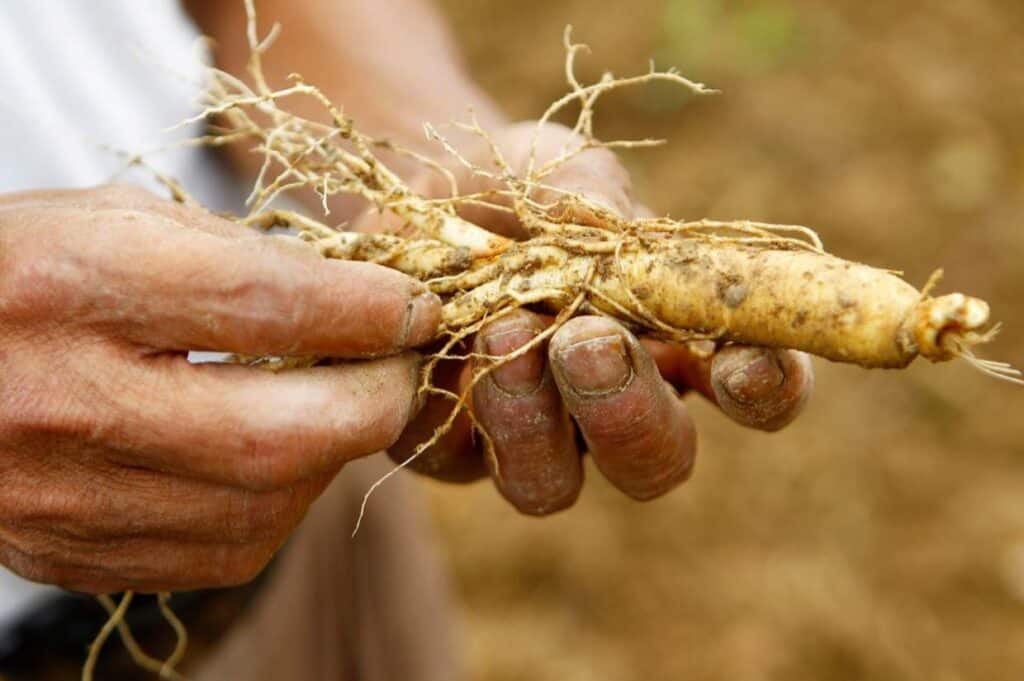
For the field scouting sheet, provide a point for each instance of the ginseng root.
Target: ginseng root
(691, 287)
(743, 282)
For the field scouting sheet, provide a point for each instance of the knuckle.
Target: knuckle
(37, 282)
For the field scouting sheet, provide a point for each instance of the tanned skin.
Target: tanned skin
(127, 467)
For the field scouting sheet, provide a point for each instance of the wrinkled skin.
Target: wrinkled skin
(126, 467)
(593, 378)
(535, 428)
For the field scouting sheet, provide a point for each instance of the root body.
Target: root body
(753, 283)
(813, 302)
(686, 288)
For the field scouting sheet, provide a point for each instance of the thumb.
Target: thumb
(587, 184)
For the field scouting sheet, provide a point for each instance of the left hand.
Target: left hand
(593, 377)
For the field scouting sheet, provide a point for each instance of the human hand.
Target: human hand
(593, 377)
(124, 466)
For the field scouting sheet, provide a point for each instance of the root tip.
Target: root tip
(949, 327)
(944, 326)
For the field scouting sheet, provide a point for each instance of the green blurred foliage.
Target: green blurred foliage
(714, 39)
(748, 37)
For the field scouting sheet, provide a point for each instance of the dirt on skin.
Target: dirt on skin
(882, 535)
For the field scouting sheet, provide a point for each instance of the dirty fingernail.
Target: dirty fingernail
(756, 380)
(596, 366)
(524, 374)
(422, 319)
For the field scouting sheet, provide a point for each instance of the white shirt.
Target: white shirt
(80, 75)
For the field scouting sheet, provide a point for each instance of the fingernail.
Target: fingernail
(596, 366)
(423, 316)
(523, 375)
(756, 380)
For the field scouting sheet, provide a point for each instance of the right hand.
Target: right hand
(123, 466)
(593, 386)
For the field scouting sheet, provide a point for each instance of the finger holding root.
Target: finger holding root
(745, 282)
(455, 456)
(636, 429)
(762, 388)
(738, 283)
(536, 465)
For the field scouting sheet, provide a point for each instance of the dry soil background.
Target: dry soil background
(882, 536)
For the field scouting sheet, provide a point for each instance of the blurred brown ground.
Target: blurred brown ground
(882, 536)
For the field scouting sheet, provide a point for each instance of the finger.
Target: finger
(375, 220)
(642, 210)
(139, 564)
(129, 197)
(104, 503)
(186, 289)
(535, 463)
(760, 388)
(637, 431)
(253, 429)
(595, 175)
(454, 456)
